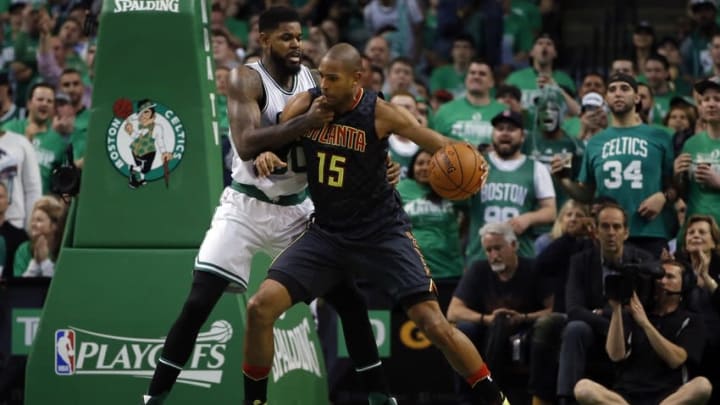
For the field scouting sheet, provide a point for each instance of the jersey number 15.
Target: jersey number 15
(335, 170)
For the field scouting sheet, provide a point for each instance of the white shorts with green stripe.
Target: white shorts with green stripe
(242, 226)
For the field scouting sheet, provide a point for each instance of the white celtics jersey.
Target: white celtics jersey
(294, 179)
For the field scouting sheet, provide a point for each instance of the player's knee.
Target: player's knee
(267, 304)
(584, 390)
(434, 325)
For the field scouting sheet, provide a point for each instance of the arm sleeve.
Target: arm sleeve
(691, 337)
(543, 182)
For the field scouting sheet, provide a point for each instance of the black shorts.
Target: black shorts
(318, 260)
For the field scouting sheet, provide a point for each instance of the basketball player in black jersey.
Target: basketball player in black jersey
(280, 38)
(359, 225)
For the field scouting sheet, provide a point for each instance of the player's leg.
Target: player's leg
(223, 259)
(206, 290)
(302, 272)
(455, 346)
(360, 340)
(589, 392)
(264, 308)
(395, 262)
(696, 391)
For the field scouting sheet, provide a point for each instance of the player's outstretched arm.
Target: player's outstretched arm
(393, 119)
(244, 95)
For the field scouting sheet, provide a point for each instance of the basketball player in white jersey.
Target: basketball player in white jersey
(263, 213)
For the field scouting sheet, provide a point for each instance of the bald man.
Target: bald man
(359, 223)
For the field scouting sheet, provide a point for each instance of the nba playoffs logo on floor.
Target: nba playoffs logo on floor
(81, 352)
(145, 141)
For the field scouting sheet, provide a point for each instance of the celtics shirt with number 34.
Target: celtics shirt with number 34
(629, 165)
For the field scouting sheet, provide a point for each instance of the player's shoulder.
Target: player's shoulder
(245, 79)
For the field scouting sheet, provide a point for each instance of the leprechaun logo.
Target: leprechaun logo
(145, 141)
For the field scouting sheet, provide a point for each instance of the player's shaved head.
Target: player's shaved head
(347, 55)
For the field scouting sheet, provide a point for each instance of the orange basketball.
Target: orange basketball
(457, 171)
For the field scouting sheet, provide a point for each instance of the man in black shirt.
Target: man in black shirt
(497, 298)
(653, 350)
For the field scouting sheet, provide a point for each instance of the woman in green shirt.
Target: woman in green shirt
(36, 257)
(434, 225)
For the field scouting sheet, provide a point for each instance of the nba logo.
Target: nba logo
(64, 352)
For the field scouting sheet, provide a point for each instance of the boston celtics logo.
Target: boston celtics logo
(145, 141)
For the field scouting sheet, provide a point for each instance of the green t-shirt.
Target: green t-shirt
(526, 81)
(629, 165)
(461, 120)
(517, 34)
(435, 228)
(23, 255)
(221, 103)
(662, 106)
(49, 149)
(78, 138)
(446, 77)
(505, 195)
(543, 149)
(571, 126)
(702, 199)
(530, 11)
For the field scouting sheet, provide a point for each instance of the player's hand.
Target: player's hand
(682, 163)
(705, 175)
(393, 171)
(319, 113)
(129, 128)
(266, 163)
(652, 206)
(519, 224)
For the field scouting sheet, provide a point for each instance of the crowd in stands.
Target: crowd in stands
(588, 175)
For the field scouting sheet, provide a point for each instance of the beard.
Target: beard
(621, 111)
(282, 65)
(506, 150)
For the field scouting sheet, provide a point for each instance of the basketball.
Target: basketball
(457, 171)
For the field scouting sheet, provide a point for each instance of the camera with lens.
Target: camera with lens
(637, 275)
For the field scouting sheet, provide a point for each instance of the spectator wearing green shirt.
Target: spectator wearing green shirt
(468, 118)
(72, 86)
(517, 37)
(49, 145)
(632, 163)
(451, 77)
(697, 168)
(37, 256)
(658, 79)
(695, 50)
(434, 220)
(592, 83)
(531, 79)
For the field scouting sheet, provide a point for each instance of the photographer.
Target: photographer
(585, 300)
(652, 350)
